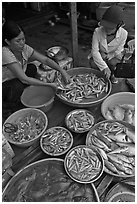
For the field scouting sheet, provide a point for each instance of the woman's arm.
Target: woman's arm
(19, 73)
(45, 60)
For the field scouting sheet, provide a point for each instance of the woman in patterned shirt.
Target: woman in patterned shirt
(16, 72)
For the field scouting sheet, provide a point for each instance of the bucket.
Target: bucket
(41, 97)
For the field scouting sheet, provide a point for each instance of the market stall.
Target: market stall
(56, 117)
(92, 140)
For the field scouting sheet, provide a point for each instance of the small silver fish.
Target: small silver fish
(122, 137)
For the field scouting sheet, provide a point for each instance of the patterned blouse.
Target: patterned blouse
(8, 58)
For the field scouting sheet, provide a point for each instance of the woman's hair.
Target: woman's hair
(10, 30)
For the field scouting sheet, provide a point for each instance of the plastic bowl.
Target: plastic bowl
(79, 120)
(117, 99)
(101, 137)
(26, 119)
(84, 164)
(41, 97)
(56, 141)
(87, 102)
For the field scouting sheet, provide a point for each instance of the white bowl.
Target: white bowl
(82, 123)
(56, 141)
(84, 164)
(120, 98)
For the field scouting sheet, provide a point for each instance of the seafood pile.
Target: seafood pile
(47, 181)
(28, 127)
(83, 164)
(83, 86)
(123, 112)
(116, 143)
(56, 141)
(79, 120)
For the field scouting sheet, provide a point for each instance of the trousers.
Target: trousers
(13, 89)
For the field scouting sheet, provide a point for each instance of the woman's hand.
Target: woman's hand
(66, 77)
(107, 72)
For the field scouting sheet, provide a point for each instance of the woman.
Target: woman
(108, 42)
(16, 73)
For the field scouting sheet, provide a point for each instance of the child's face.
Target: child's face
(17, 44)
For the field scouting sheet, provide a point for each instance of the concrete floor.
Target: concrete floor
(43, 36)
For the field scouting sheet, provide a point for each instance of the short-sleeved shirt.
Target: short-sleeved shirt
(8, 57)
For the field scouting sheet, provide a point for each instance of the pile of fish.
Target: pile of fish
(123, 112)
(56, 141)
(28, 128)
(79, 120)
(116, 144)
(83, 164)
(83, 86)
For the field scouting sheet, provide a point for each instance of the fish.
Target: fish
(116, 127)
(128, 106)
(122, 144)
(128, 116)
(111, 167)
(103, 154)
(109, 115)
(103, 138)
(118, 112)
(128, 165)
(106, 88)
(128, 150)
(133, 119)
(110, 143)
(122, 168)
(130, 134)
(121, 137)
(114, 158)
(123, 157)
(99, 143)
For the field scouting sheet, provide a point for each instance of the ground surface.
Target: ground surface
(44, 36)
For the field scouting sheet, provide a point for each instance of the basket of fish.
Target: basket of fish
(79, 120)
(119, 106)
(115, 141)
(84, 164)
(56, 141)
(88, 87)
(46, 181)
(24, 127)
